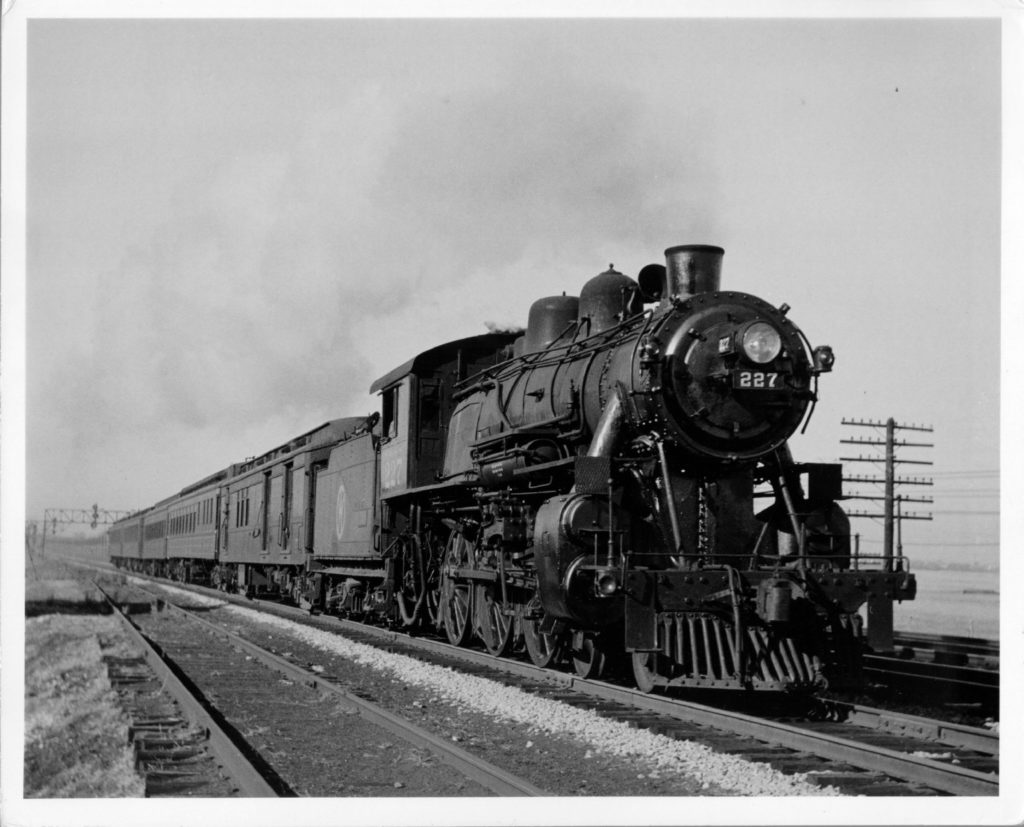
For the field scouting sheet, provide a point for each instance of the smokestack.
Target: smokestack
(692, 269)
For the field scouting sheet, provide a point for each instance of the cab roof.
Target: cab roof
(441, 353)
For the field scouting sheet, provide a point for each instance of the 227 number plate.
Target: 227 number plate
(757, 380)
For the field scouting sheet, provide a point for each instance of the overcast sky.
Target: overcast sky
(234, 227)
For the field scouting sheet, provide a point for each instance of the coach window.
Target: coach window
(389, 412)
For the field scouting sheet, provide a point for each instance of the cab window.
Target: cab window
(389, 412)
(430, 406)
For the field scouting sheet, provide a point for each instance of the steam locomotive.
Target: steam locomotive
(586, 492)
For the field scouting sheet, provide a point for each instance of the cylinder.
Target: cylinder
(691, 269)
(549, 318)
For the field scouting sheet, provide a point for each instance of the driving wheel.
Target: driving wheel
(544, 648)
(493, 623)
(587, 656)
(456, 600)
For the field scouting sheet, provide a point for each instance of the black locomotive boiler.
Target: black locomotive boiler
(614, 485)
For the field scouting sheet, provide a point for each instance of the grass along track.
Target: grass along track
(178, 742)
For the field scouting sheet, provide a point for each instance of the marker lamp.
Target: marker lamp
(824, 358)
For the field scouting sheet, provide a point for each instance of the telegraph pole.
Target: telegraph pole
(892, 511)
(890, 485)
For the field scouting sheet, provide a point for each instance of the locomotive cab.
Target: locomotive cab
(417, 404)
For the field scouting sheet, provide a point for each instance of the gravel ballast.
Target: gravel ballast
(644, 751)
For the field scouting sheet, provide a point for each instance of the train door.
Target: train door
(216, 527)
(312, 477)
(296, 507)
(286, 504)
(224, 522)
(264, 519)
(274, 518)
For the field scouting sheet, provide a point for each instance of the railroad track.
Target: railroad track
(175, 656)
(944, 682)
(872, 751)
(952, 670)
(181, 745)
(856, 748)
(948, 647)
(859, 749)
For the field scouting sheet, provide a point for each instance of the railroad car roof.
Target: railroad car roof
(205, 482)
(131, 518)
(440, 353)
(336, 430)
(135, 516)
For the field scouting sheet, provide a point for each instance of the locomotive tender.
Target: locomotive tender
(587, 491)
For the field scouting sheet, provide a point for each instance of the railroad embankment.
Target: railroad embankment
(76, 734)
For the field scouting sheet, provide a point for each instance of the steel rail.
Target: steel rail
(251, 782)
(951, 644)
(493, 778)
(898, 723)
(966, 677)
(966, 684)
(946, 777)
(929, 729)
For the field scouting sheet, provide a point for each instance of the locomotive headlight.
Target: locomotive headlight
(761, 342)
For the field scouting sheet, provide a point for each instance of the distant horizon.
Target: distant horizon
(98, 539)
